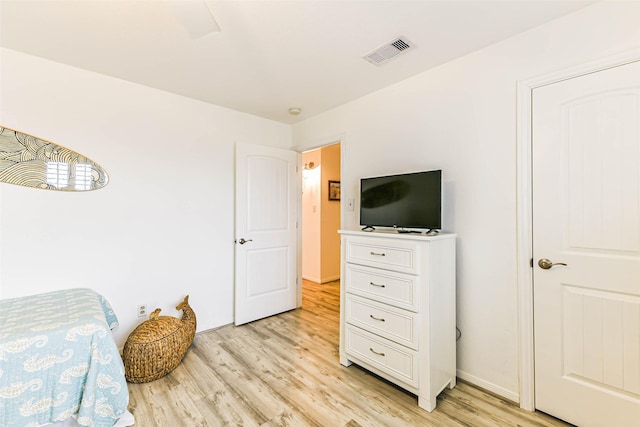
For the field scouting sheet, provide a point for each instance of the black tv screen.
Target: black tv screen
(412, 200)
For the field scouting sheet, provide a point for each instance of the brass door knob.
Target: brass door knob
(546, 264)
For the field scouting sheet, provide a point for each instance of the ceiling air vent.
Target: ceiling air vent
(389, 51)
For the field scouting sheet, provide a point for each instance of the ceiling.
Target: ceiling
(268, 55)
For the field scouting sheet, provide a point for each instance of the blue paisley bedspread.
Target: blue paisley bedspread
(58, 359)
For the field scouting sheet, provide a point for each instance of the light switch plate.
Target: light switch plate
(350, 204)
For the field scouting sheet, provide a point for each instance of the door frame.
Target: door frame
(338, 139)
(524, 201)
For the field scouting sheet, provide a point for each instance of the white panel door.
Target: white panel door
(586, 214)
(265, 249)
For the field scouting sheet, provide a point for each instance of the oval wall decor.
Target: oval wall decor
(32, 162)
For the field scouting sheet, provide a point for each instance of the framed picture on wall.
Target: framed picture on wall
(334, 190)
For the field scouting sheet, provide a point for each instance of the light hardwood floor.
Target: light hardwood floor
(285, 371)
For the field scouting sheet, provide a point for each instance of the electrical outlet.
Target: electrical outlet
(142, 310)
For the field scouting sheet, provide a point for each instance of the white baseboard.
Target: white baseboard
(321, 280)
(493, 388)
(330, 279)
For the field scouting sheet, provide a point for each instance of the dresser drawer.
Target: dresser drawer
(393, 359)
(397, 289)
(400, 326)
(383, 253)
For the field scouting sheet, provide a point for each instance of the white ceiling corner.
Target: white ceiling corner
(268, 55)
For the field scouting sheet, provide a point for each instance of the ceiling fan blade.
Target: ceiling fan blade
(194, 16)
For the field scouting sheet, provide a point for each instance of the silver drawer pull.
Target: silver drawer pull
(378, 254)
(375, 352)
(376, 318)
(375, 284)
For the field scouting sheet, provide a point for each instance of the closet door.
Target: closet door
(586, 246)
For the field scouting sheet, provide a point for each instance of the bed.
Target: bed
(59, 362)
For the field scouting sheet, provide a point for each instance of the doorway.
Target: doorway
(321, 214)
(586, 247)
(528, 255)
(266, 264)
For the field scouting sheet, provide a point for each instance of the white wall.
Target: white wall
(461, 117)
(164, 225)
(311, 216)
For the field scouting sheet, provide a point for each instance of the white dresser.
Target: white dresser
(398, 311)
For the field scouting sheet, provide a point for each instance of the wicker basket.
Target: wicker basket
(158, 345)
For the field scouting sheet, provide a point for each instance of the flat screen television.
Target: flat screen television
(411, 200)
